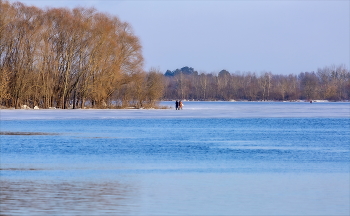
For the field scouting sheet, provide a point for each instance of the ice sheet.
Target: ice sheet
(194, 110)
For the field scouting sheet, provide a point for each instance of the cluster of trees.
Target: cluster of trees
(328, 83)
(63, 58)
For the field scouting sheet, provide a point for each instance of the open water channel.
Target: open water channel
(211, 158)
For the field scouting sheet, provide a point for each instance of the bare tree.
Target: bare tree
(63, 58)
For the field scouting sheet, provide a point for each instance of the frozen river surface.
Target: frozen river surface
(212, 158)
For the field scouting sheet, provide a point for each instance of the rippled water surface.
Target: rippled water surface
(208, 159)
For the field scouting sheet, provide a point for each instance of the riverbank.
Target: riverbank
(25, 107)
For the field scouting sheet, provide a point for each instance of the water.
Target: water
(212, 158)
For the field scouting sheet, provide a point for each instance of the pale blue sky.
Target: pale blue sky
(279, 36)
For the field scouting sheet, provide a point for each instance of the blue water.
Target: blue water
(176, 166)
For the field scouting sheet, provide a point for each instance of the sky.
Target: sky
(278, 36)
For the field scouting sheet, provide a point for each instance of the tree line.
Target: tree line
(76, 58)
(63, 58)
(328, 83)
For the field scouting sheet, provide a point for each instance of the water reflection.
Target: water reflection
(164, 193)
(60, 197)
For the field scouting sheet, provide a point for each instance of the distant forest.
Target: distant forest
(328, 83)
(76, 58)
